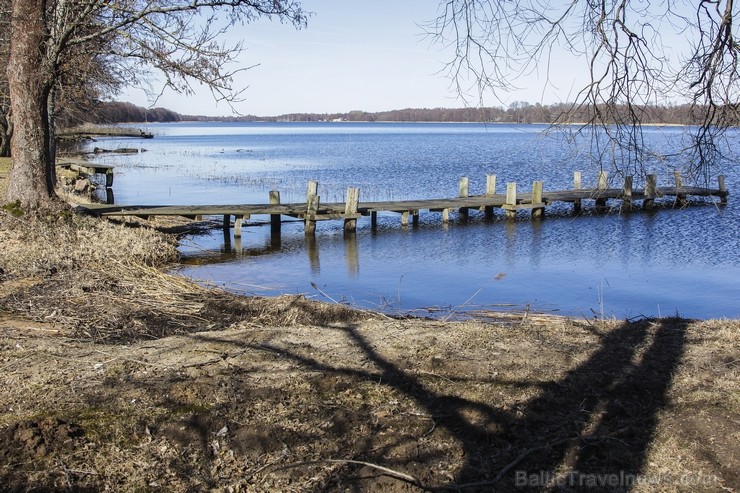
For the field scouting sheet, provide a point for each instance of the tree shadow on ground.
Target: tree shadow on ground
(590, 429)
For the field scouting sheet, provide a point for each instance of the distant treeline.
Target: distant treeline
(518, 112)
(119, 112)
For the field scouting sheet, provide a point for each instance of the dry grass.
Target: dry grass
(104, 281)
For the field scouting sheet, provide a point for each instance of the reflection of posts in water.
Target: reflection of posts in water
(535, 249)
(510, 242)
(275, 239)
(313, 254)
(350, 254)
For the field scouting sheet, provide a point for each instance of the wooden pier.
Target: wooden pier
(536, 202)
(88, 169)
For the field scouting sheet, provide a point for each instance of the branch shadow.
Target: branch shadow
(593, 427)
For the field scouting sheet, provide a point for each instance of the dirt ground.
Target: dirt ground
(115, 376)
(374, 405)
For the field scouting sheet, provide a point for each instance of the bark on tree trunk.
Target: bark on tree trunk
(32, 175)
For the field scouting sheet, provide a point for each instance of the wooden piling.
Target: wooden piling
(405, 218)
(722, 189)
(490, 185)
(577, 186)
(537, 212)
(350, 210)
(680, 197)
(374, 219)
(238, 225)
(510, 200)
(490, 192)
(312, 206)
(274, 218)
(627, 194)
(651, 185)
(464, 192)
(603, 182)
(601, 185)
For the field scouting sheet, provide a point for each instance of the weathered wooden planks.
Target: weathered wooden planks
(88, 169)
(314, 210)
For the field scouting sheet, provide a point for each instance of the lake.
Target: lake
(666, 262)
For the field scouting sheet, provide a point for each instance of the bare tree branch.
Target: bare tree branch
(629, 53)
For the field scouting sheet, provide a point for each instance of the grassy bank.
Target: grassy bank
(116, 375)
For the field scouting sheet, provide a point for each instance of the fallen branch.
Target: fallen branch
(408, 478)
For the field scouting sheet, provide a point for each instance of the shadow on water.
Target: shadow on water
(592, 428)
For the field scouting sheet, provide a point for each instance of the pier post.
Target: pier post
(238, 225)
(651, 185)
(722, 189)
(405, 218)
(374, 220)
(227, 233)
(490, 192)
(627, 194)
(603, 182)
(680, 197)
(537, 212)
(490, 185)
(601, 185)
(510, 200)
(274, 218)
(445, 216)
(312, 206)
(350, 210)
(577, 186)
(464, 192)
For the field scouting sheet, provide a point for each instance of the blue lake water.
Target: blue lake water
(672, 260)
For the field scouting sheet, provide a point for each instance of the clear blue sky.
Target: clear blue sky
(354, 55)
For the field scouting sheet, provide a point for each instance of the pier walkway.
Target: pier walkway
(536, 202)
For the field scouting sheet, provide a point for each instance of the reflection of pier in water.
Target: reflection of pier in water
(236, 247)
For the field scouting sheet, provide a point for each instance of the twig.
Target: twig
(131, 360)
(5, 367)
(408, 478)
(313, 285)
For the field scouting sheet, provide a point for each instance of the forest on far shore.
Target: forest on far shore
(518, 112)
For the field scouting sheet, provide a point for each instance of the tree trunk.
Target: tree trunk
(32, 175)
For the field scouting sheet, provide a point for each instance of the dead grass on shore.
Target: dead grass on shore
(102, 281)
